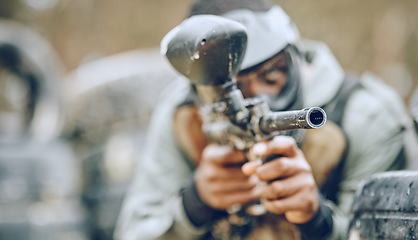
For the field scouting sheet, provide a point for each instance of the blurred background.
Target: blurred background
(380, 35)
(89, 74)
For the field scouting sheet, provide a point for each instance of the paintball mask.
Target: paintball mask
(270, 33)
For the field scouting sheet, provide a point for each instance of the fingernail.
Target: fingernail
(259, 148)
(258, 162)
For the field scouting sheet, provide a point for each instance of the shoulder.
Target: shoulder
(160, 131)
(375, 99)
(375, 110)
(172, 95)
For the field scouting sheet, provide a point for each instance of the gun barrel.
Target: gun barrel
(307, 118)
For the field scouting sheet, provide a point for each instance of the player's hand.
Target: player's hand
(290, 188)
(220, 181)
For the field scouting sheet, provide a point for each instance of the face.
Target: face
(268, 78)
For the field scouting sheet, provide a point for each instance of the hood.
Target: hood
(323, 78)
(268, 33)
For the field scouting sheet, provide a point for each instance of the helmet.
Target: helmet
(269, 28)
(268, 33)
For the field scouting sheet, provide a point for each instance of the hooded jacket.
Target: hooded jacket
(373, 122)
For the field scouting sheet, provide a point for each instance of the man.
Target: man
(186, 186)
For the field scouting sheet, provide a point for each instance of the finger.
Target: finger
(287, 187)
(238, 197)
(227, 187)
(284, 145)
(219, 173)
(250, 168)
(303, 201)
(225, 155)
(282, 168)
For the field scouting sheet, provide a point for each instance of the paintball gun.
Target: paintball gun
(208, 50)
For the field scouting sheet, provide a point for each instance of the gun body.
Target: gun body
(258, 124)
(208, 50)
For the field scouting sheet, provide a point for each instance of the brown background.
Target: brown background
(376, 35)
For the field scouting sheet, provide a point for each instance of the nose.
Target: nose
(252, 85)
(248, 86)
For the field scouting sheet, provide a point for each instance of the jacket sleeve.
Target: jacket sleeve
(374, 122)
(153, 207)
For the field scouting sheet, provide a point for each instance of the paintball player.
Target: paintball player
(186, 186)
(39, 174)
